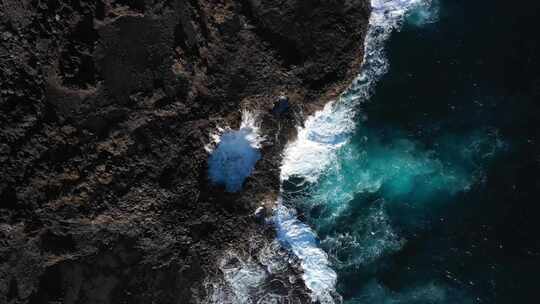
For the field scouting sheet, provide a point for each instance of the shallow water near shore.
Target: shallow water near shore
(420, 183)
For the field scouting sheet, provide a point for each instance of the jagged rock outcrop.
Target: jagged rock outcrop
(105, 109)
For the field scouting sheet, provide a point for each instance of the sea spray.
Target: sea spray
(236, 154)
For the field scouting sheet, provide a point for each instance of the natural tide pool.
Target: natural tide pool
(422, 186)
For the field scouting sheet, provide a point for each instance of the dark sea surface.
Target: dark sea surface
(435, 197)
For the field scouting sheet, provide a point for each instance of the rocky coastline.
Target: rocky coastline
(105, 110)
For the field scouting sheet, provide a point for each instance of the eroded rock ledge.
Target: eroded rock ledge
(105, 109)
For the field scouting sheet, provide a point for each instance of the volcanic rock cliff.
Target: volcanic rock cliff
(106, 107)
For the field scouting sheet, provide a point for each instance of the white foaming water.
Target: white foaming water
(314, 148)
(302, 241)
(243, 278)
(247, 277)
(236, 154)
(324, 133)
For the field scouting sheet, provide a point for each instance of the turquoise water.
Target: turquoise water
(430, 195)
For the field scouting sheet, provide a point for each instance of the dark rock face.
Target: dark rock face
(105, 109)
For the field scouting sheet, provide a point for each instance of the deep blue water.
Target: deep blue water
(434, 197)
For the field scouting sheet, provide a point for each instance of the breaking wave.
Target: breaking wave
(302, 241)
(324, 133)
(327, 130)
